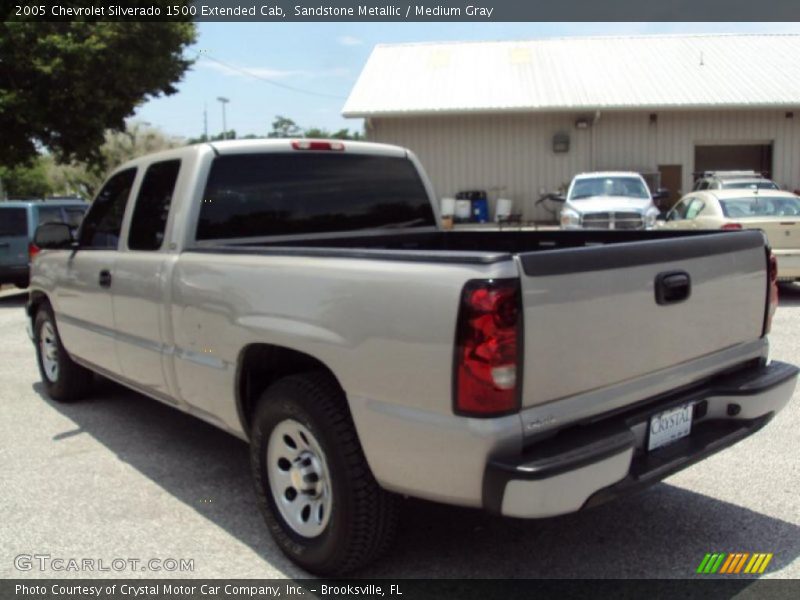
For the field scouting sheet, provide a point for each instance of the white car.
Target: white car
(609, 200)
(775, 212)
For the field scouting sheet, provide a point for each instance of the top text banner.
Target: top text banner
(419, 10)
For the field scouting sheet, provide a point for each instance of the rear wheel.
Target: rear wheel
(64, 379)
(22, 283)
(317, 494)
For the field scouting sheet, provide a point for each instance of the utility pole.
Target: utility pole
(223, 101)
(205, 121)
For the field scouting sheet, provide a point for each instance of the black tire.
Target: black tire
(72, 381)
(363, 517)
(22, 283)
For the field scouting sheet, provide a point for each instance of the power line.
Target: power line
(269, 81)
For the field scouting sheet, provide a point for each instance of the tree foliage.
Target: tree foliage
(62, 85)
(283, 127)
(26, 180)
(84, 179)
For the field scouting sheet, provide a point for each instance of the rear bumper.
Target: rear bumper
(591, 463)
(788, 263)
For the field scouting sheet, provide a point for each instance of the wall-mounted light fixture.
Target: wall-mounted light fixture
(582, 123)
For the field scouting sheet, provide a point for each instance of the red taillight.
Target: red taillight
(732, 226)
(317, 145)
(33, 250)
(487, 348)
(772, 290)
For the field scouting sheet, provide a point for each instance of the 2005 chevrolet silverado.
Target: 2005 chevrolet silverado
(300, 295)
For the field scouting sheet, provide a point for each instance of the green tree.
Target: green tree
(283, 127)
(62, 85)
(26, 180)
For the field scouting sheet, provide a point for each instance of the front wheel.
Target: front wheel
(317, 494)
(64, 379)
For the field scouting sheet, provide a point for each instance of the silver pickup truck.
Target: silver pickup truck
(301, 295)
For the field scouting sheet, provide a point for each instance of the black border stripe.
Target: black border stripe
(644, 252)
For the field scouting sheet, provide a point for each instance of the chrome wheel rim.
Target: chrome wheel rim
(48, 348)
(299, 478)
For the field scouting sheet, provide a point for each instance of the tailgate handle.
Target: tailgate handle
(672, 287)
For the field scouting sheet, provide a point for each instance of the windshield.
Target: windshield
(760, 206)
(752, 185)
(631, 187)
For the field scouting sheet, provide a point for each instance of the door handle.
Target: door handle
(105, 278)
(672, 287)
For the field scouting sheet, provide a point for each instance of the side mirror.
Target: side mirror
(53, 236)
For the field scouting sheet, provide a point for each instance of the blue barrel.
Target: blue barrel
(480, 210)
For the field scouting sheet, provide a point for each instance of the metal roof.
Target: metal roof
(600, 73)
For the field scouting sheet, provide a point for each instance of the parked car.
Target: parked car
(733, 180)
(609, 200)
(301, 295)
(18, 222)
(774, 212)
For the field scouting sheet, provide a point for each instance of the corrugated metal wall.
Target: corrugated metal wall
(511, 154)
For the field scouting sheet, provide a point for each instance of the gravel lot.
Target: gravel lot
(122, 476)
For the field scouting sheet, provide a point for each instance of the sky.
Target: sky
(250, 63)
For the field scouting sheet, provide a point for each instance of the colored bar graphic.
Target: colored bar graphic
(703, 563)
(726, 566)
(733, 563)
(741, 562)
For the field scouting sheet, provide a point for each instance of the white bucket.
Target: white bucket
(448, 207)
(463, 210)
(503, 210)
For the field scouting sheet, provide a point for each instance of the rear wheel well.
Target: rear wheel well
(37, 300)
(259, 366)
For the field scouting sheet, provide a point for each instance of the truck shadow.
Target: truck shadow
(661, 533)
(13, 298)
(789, 294)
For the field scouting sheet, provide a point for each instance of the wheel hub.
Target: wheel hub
(299, 478)
(305, 474)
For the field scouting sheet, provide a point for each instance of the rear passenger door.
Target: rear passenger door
(83, 297)
(141, 280)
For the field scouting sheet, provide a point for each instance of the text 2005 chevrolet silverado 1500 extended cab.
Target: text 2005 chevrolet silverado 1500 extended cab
(300, 295)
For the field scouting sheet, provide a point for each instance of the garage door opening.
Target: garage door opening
(749, 157)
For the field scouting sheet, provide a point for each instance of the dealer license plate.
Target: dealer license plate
(669, 426)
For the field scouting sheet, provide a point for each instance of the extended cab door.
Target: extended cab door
(141, 276)
(84, 307)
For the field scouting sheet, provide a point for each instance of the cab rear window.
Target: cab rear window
(254, 195)
(13, 222)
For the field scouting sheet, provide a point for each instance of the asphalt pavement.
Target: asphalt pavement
(120, 476)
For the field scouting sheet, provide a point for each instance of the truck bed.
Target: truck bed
(482, 247)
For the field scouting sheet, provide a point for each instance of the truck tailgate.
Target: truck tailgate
(592, 317)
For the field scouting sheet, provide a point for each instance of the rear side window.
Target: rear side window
(49, 214)
(152, 206)
(13, 222)
(256, 195)
(103, 222)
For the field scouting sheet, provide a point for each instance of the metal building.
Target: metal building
(519, 119)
